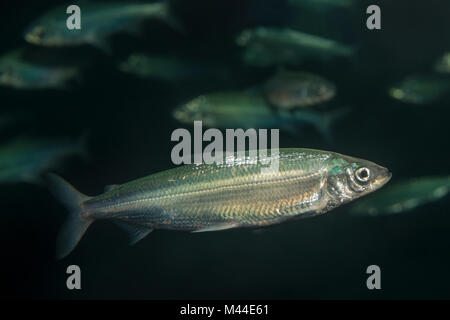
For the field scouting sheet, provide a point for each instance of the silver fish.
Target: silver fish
(99, 21)
(212, 197)
(25, 159)
(278, 46)
(403, 196)
(170, 68)
(17, 72)
(288, 90)
(421, 89)
(250, 109)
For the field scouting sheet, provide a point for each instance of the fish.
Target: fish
(402, 196)
(24, 159)
(249, 109)
(421, 89)
(288, 90)
(19, 73)
(264, 47)
(169, 69)
(442, 65)
(99, 20)
(218, 196)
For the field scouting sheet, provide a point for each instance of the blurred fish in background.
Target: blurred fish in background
(100, 20)
(442, 65)
(403, 196)
(170, 69)
(18, 72)
(26, 158)
(289, 90)
(421, 89)
(284, 46)
(249, 109)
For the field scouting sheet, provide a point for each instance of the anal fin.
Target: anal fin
(135, 232)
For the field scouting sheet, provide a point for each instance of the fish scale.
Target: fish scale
(206, 192)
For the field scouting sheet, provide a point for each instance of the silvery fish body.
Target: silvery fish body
(18, 73)
(24, 159)
(250, 109)
(278, 46)
(170, 68)
(98, 21)
(421, 89)
(236, 193)
(288, 90)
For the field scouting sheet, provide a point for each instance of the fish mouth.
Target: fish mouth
(382, 178)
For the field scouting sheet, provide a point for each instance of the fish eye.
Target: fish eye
(363, 174)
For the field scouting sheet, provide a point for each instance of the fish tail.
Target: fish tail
(75, 225)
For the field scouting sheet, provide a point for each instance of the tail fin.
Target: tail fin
(75, 226)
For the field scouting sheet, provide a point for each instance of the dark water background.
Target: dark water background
(129, 125)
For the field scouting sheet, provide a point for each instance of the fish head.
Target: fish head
(405, 94)
(49, 32)
(351, 178)
(195, 110)
(36, 34)
(416, 89)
